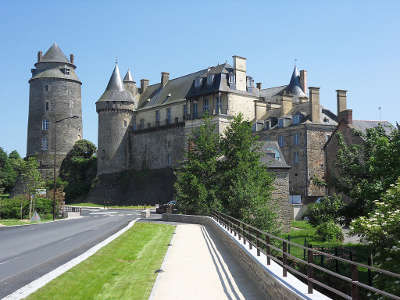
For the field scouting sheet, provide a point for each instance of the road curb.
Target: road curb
(43, 280)
(13, 226)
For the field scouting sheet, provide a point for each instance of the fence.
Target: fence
(268, 244)
(72, 209)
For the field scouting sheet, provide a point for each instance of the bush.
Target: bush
(328, 209)
(43, 206)
(10, 208)
(329, 232)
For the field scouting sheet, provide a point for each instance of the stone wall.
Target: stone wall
(280, 195)
(133, 187)
(266, 278)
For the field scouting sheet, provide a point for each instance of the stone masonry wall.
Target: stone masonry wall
(280, 195)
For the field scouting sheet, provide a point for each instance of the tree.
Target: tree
(381, 228)
(246, 185)
(78, 170)
(367, 170)
(196, 183)
(8, 170)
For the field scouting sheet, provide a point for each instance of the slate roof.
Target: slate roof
(54, 54)
(270, 92)
(274, 163)
(294, 87)
(128, 77)
(364, 125)
(55, 72)
(115, 90)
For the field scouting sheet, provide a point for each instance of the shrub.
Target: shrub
(43, 206)
(10, 208)
(328, 209)
(329, 232)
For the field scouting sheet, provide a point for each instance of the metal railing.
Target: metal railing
(67, 208)
(267, 243)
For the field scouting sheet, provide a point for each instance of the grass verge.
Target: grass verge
(113, 206)
(124, 269)
(11, 222)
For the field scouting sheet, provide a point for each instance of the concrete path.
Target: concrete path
(198, 266)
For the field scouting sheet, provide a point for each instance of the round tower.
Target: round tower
(115, 108)
(55, 112)
(130, 86)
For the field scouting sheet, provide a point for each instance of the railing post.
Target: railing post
(336, 261)
(355, 295)
(258, 243)
(250, 239)
(288, 243)
(304, 250)
(244, 237)
(284, 258)
(369, 270)
(322, 257)
(268, 249)
(310, 270)
(239, 231)
(234, 228)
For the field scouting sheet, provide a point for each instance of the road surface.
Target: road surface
(28, 252)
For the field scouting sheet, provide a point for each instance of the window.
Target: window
(281, 141)
(296, 157)
(194, 110)
(46, 88)
(280, 123)
(125, 123)
(47, 106)
(45, 144)
(296, 119)
(249, 83)
(134, 123)
(45, 124)
(176, 120)
(149, 125)
(168, 116)
(218, 109)
(66, 70)
(296, 139)
(231, 80)
(185, 111)
(295, 199)
(197, 82)
(210, 79)
(157, 118)
(141, 125)
(205, 104)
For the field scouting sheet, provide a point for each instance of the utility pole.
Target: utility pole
(55, 159)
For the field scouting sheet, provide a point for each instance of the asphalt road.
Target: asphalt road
(28, 252)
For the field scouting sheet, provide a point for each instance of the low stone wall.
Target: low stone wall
(273, 287)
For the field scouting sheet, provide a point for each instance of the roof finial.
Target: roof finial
(116, 60)
(295, 61)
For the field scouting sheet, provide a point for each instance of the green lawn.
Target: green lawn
(113, 206)
(124, 269)
(10, 222)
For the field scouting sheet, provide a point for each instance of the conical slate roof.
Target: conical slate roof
(294, 87)
(54, 54)
(128, 77)
(115, 89)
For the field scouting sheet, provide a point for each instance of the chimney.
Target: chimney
(164, 78)
(314, 104)
(39, 56)
(341, 101)
(287, 104)
(303, 80)
(144, 83)
(346, 117)
(258, 85)
(71, 58)
(239, 66)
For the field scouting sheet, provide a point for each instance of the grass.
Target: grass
(11, 222)
(124, 269)
(113, 206)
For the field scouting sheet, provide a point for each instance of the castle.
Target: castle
(146, 127)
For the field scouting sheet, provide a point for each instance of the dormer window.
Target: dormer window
(249, 83)
(231, 79)
(197, 82)
(280, 123)
(67, 70)
(205, 104)
(296, 119)
(210, 79)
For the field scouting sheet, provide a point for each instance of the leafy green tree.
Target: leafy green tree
(197, 180)
(8, 170)
(78, 170)
(367, 170)
(246, 185)
(381, 228)
(328, 209)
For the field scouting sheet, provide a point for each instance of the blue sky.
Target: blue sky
(351, 45)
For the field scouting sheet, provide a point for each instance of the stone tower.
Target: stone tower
(115, 108)
(55, 113)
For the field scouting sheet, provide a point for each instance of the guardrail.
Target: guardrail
(267, 243)
(67, 208)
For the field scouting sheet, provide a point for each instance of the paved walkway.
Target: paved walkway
(200, 267)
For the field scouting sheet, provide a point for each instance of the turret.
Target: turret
(55, 95)
(130, 84)
(115, 108)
